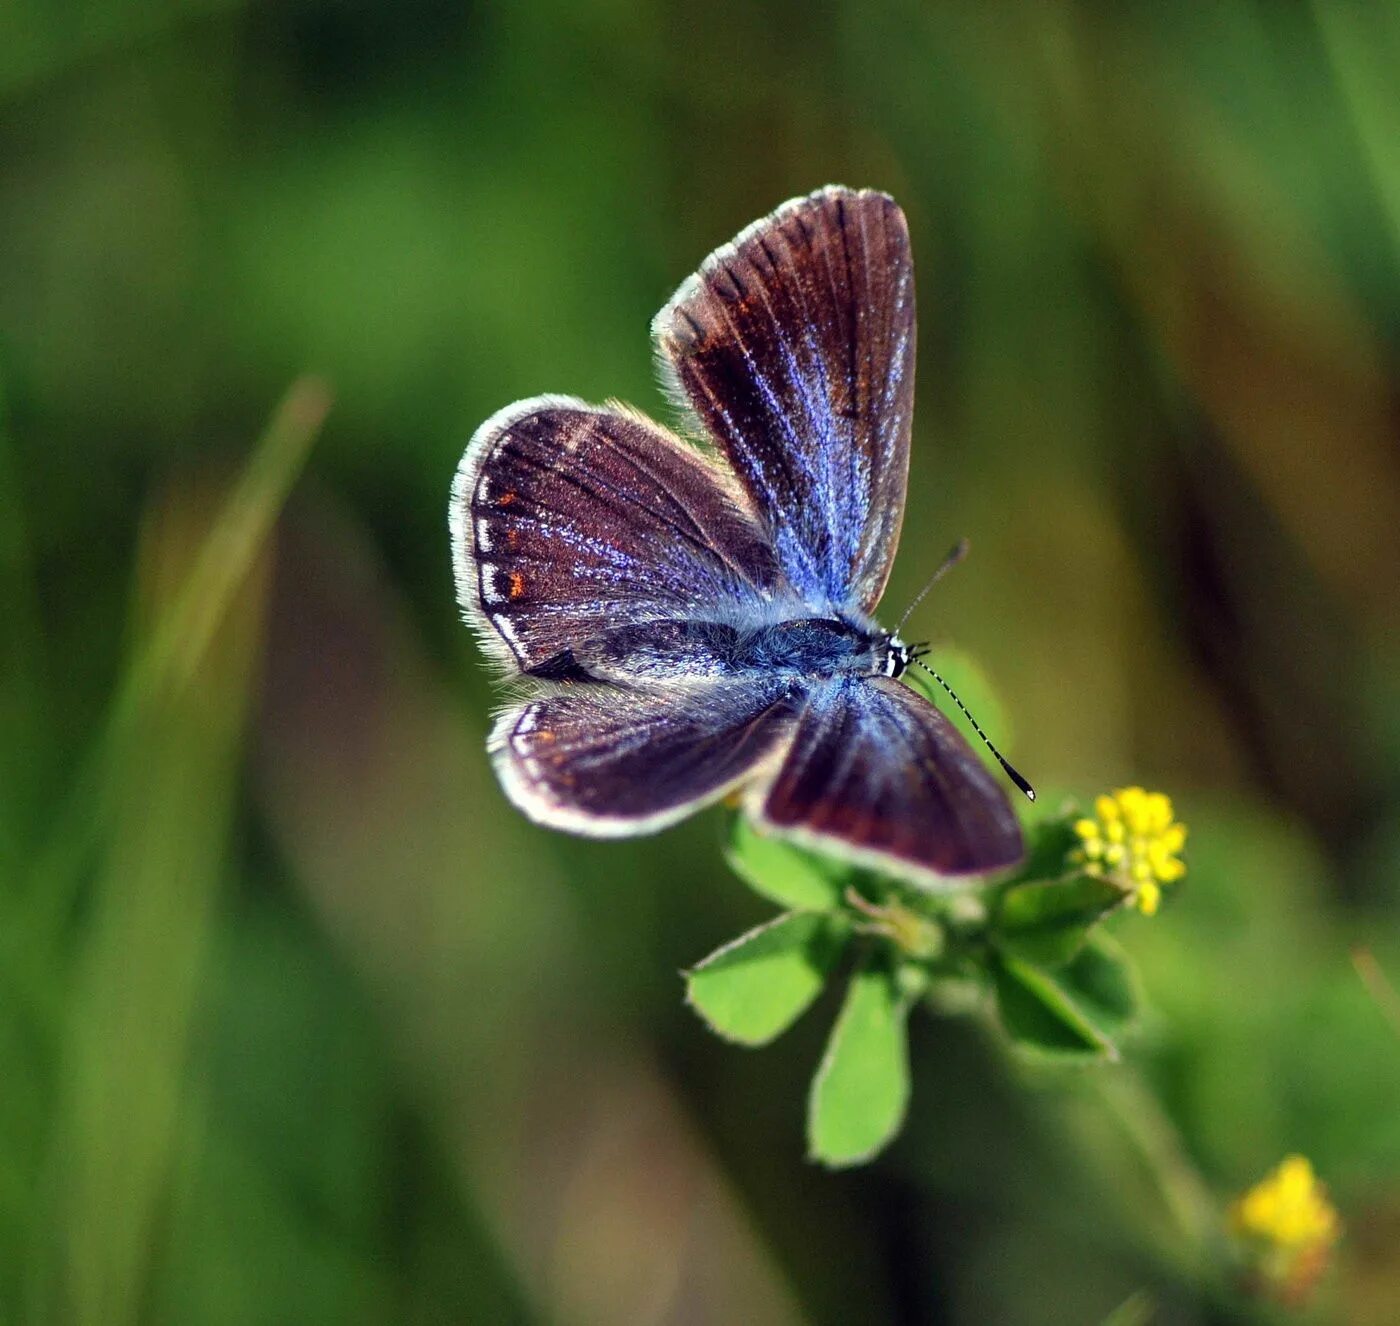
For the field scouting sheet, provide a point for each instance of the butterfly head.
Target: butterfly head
(896, 658)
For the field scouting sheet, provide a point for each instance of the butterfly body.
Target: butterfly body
(695, 620)
(669, 649)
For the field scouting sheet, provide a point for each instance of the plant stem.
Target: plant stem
(1154, 1137)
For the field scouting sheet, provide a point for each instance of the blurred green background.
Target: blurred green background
(298, 1021)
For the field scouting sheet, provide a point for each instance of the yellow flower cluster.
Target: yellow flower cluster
(1133, 840)
(1286, 1228)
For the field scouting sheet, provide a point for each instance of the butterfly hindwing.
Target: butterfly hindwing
(608, 761)
(794, 347)
(876, 773)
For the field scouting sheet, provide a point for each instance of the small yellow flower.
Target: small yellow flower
(1133, 840)
(1284, 1229)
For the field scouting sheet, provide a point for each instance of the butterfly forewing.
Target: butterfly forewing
(570, 520)
(794, 347)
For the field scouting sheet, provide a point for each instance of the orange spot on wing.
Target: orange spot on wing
(508, 498)
(517, 584)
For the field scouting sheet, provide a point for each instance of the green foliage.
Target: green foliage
(1040, 1015)
(1049, 841)
(754, 988)
(861, 1089)
(1103, 984)
(1047, 921)
(781, 871)
(1061, 989)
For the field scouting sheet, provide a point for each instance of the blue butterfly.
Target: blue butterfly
(696, 619)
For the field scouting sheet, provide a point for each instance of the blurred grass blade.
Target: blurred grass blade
(167, 783)
(185, 628)
(1378, 986)
(1137, 1309)
(1363, 44)
(172, 652)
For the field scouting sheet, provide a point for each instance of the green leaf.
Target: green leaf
(1102, 983)
(783, 872)
(1039, 1015)
(756, 987)
(1049, 843)
(861, 1090)
(1047, 922)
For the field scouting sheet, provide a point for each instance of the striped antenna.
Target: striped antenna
(976, 727)
(960, 550)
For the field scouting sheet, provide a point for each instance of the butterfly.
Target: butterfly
(694, 620)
